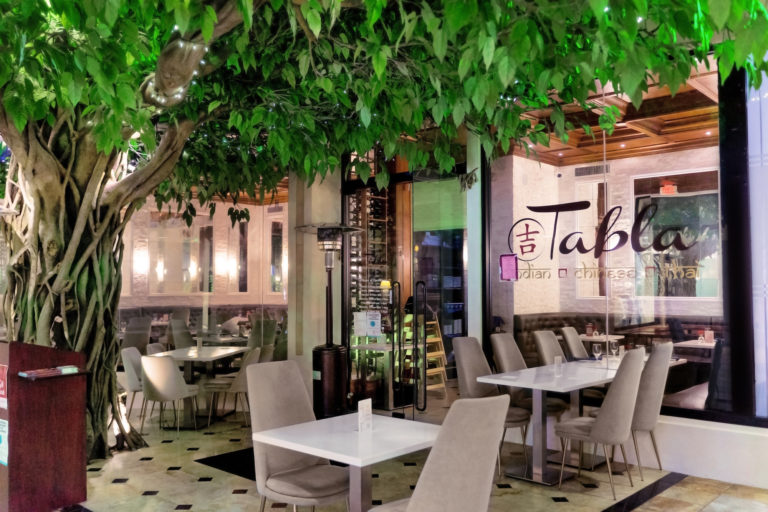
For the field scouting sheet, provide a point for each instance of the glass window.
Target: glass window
(276, 257)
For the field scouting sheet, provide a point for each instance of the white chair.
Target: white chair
(471, 364)
(650, 396)
(458, 474)
(548, 347)
(132, 365)
(574, 344)
(612, 426)
(162, 382)
(278, 397)
(238, 386)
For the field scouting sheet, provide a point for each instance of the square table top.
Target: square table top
(708, 345)
(203, 355)
(571, 377)
(601, 337)
(337, 438)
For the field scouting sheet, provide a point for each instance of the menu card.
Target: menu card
(365, 415)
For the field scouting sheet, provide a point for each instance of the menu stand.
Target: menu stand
(42, 429)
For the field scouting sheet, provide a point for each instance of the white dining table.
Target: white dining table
(338, 439)
(568, 377)
(191, 355)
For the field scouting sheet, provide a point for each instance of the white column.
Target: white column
(474, 248)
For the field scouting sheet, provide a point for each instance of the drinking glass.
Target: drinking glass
(597, 349)
(614, 346)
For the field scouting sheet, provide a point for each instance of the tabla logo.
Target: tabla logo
(527, 237)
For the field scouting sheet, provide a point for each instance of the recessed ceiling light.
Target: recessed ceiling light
(623, 145)
(708, 133)
(530, 145)
(559, 154)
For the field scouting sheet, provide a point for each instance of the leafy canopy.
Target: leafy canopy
(297, 84)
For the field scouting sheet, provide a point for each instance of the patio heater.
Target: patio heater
(329, 361)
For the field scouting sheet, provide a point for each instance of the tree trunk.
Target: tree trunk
(64, 279)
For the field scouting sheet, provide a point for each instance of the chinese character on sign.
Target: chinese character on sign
(527, 248)
(526, 239)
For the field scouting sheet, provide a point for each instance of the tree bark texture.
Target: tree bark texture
(65, 247)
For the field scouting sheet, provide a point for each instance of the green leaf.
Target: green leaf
(313, 20)
(365, 116)
(209, 20)
(213, 105)
(440, 44)
(489, 46)
(719, 10)
(598, 7)
(465, 62)
(379, 61)
(303, 63)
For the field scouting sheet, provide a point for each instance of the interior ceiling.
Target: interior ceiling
(662, 124)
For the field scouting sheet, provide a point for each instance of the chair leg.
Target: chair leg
(564, 443)
(594, 456)
(656, 449)
(143, 415)
(610, 473)
(581, 456)
(295, 508)
(175, 417)
(263, 503)
(212, 406)
(498, 459)
(626, 464)
(637, 454)
(130, 408)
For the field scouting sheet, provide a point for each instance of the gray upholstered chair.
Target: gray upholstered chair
(236, 386)
(162, 382)
(263, 331)
(548, 347)
(182, 338)
(613, 425)
(137, 333)
(458, 474)
(509, 359)
(471, 364)
(267, 353)
(132, 366)
(574, 344)
(649, 397)
(278, 397)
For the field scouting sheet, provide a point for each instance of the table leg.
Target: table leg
(538, 472)
(360, 496)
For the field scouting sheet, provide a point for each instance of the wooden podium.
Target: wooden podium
(42, 430)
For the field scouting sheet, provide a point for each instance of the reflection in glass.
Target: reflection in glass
(276, 258)
(171, 268)
(205, 257)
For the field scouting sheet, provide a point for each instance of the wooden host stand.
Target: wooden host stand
(46, 466)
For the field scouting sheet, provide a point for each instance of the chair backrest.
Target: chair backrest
(182, 338)
(614, 422)
(267, 353)
(232, 326)
(574, 344)
(459, 472)
(508, 358)
(139, 323)
(156, 348)
(547, 346)
(137, 339)
(262, 332)
(471, 364)
(132, 365)
(162, 379)
(240, 382)
(181, 314)
(277, 397)
(651, 390)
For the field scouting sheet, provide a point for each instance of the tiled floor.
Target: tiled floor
(166, 476)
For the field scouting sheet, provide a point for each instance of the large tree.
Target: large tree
(98, 99)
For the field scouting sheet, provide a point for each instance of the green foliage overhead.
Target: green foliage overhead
(298, 84)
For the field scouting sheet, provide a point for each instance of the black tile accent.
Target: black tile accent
(207, 433)
(193, 449)
(119, 480)
(590, 486)
(94, 469)
(146, 458)
(374, 475)
(503, 486)
(183, 507)
(633, 501)
(239, 462)
(279, 505)
(559, 499)
(376, 502)
(75, 508)
(409, 463)
(240, 491)
(205, 479)
(234, 440)
(166, 441)
(412, 487)
(149, 493)
(174, 468)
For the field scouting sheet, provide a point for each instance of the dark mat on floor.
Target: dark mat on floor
(238, 463)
